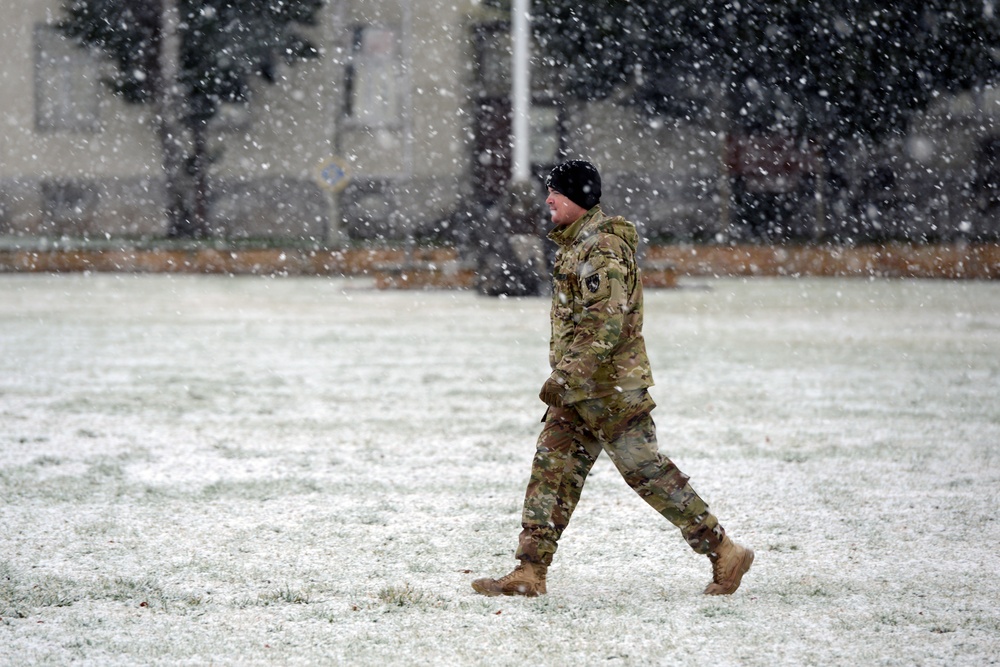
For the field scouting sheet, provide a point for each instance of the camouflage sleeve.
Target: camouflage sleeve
(602, 281)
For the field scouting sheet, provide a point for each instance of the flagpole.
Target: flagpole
(521, 93)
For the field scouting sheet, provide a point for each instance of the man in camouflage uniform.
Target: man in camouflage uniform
(597, 395)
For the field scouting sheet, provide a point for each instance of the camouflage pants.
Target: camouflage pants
(572, 439)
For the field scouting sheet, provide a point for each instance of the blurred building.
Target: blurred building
(401, 130)
(374, 138)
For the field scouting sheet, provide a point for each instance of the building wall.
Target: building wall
(664, 177)
(104, 177)
(55, 180)
(392, 101)
(410, 168)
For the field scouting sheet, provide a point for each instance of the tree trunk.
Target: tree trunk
(199, 174)
(724, 134)
(185, 219)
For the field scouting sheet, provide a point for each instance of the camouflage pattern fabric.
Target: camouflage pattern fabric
(572, 439)
(598, 356)
(597, 347)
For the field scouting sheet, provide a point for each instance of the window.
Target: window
(373, 89)
(67, 84)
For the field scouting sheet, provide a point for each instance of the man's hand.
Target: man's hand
(552, 391)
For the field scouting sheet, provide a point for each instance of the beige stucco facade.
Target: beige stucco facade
(384, 137)
(407, 160)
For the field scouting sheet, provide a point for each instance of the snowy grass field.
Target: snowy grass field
(287, 471)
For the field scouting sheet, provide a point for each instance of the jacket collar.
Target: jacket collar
(568, 235)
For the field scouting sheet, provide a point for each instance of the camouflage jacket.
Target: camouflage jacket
(597, 347)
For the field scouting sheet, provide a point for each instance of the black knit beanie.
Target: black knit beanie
(577, 180)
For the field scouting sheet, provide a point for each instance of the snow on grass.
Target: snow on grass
(213, 470)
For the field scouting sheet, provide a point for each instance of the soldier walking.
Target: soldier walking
(597, 395)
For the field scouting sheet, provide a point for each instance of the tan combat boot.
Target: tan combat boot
(527, 579)
(730, 562)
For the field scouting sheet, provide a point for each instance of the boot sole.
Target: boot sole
(484, 589)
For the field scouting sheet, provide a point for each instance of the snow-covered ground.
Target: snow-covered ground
(233, 471)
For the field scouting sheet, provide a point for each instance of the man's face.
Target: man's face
(562, 210)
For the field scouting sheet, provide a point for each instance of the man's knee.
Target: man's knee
(658, 477)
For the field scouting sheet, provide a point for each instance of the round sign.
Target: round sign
(333, 174)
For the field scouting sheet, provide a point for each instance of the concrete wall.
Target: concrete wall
(108, 180)
(662, 176)
(410, 172)
(68, 181)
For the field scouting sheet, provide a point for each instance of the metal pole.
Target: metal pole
(521, 102)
